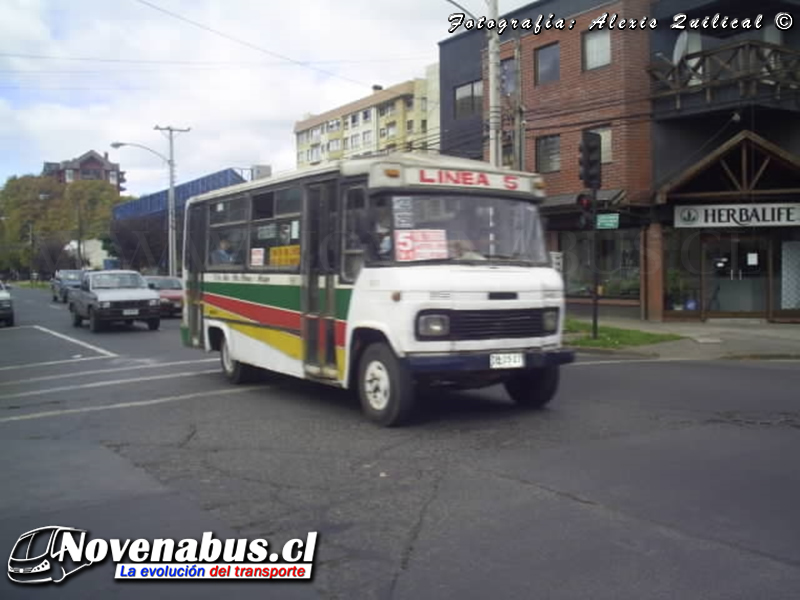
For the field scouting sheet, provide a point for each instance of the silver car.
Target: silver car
(114, 296)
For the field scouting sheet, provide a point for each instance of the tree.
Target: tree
(41, 215)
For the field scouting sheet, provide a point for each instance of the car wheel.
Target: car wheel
(535, 388)
(55, 298)
(77, 321)
(94, 322)
(235, 371)
(10, 322)
(385, 387)
(153, 324)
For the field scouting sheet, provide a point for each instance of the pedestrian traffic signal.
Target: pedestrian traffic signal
(590, 148)
(586, 214)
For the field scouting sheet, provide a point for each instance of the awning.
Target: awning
(569, 202)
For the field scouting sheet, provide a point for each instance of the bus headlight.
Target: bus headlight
(433, 325)
(550, 320)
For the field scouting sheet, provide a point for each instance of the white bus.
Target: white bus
(379, 274)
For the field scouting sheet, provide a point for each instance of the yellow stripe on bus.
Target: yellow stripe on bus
(288, 343)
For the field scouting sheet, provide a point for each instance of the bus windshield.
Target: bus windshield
(415, 228)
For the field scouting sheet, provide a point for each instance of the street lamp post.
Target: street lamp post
(171, 233)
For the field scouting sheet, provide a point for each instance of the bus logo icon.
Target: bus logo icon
(37, 557)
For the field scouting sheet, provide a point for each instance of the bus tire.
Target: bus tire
(235, 371)
(385, 387)
(534, 388)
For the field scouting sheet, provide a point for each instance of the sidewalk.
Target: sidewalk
(724, 339)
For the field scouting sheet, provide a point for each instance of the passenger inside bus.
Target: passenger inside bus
(222, 255)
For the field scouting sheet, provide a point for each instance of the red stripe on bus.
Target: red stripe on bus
(265, 315)
(340, 329)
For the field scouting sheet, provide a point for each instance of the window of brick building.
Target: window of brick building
(469, 99)
(596, 49)
(508, 76)
(548, 63)
(548, 154)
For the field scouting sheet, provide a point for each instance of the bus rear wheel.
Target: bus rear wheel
(385, 387)
(235, 371)
(534, 388)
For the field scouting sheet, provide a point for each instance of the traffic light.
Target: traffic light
(590, 160)
(586, 214)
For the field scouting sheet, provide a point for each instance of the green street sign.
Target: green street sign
(608, 221)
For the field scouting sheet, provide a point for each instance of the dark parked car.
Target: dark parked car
(171, 291)
(6, 305)
(64, 281)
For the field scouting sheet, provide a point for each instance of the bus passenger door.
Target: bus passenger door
(194, 253)
(320, 258)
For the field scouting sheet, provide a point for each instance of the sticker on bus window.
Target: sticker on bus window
(403, 212)
(420, 244)
(267, 232)
(284, 256)
(257, 257)
(295, 230)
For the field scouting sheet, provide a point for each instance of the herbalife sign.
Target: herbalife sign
(738, 215)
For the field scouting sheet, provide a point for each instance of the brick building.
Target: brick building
(89, 166)
(626, 84)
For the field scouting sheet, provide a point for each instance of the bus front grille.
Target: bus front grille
(497, 324)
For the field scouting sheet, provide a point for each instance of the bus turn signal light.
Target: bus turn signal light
(391, 172)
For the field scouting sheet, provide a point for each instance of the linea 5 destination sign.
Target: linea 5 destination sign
(738, 215)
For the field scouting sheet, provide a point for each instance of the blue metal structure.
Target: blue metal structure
(156, 203)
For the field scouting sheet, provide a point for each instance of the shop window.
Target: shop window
(682, 270)
(618, 262)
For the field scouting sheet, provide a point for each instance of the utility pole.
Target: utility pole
(171, 226)
(519, 116)
(495, 151)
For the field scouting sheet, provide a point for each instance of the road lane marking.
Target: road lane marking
(54, 362)
(114, 370)
(97, 384)
(76, 341)
(121, 405)
(17, 327)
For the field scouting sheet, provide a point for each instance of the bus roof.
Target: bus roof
(365, 165)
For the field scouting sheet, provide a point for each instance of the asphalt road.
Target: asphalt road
(642, 480)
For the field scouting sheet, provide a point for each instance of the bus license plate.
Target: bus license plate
(130, 312)
(515, 360)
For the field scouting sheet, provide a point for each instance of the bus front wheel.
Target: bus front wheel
(235, 371)
(534, 388)
(385, 388)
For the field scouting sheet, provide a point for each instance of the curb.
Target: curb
(776, 356)
(611, 352)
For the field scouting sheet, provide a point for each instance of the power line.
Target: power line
(245, 43)
(215, 64)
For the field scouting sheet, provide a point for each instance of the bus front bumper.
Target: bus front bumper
(476, 362)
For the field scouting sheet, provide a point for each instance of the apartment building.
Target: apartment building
(394, 118)
(694, 124)
(90, 166)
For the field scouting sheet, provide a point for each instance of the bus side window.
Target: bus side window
(355, 219)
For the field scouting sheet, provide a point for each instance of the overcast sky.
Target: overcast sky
(77, 75)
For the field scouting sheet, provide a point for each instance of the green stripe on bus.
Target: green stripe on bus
(343, 302)
(280, 296)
